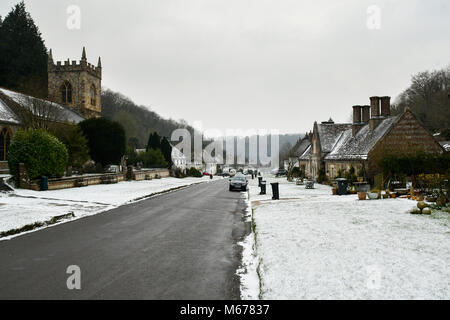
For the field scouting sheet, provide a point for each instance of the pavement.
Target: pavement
(178, 245)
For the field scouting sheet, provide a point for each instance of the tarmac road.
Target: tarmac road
(178, 245)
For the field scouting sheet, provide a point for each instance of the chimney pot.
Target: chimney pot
(374, 107)
(365, 113)
(385, 106)
(356, 114)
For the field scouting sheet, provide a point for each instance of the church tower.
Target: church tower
(76, 85)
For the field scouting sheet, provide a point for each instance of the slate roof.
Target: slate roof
(6, 114)
(329, 133)
(445, 145)
(305, 155)
(6, 111)
(300, 147)
(358, 147)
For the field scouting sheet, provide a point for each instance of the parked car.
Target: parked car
(205, 173)
(238, 182)
(281, 173)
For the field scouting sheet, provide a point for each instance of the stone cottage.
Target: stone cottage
(361, 144)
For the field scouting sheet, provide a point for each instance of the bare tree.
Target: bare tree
(36, 113)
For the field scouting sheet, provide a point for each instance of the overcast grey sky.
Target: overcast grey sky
(278, 64)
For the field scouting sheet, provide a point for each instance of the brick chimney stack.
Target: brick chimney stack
(374, 107)
(356, 114)
(357, 123)
(385, 106)
(365, 114)
(374, 112)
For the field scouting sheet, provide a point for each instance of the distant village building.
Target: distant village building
(74, 91)
(361, 144)
(178, 159)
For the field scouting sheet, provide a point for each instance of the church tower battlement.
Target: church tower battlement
(76, 84)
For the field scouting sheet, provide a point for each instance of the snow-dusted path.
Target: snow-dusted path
(312, 245)
(23, 207)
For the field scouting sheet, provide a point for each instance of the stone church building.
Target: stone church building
(361, 144)
(74, 92)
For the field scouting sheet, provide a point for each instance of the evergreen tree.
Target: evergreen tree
(166, 149)
(23, 55)
(106, 140)
(154, 141)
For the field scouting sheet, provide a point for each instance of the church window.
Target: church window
(93, 95)
(66, 92)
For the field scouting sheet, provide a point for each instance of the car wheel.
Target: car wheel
(231, 189)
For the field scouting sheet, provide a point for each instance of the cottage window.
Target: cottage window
(66, 92)
(5, 139)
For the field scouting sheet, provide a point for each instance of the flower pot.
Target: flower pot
(362, 195)
(334, 191)
(373, 195)
(393, 195)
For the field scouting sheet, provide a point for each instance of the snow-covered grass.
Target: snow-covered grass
(313, 245)
(22, 207)
(248, 272)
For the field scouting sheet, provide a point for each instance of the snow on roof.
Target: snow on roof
(65, 114)
(6, 115)
(305, 155)
(445, 145)
(329, 134)
(177, 154)
(348, 147)
(299, 148)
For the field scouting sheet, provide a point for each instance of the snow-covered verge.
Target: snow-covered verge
(22, 207)
(248, 272)
(313, 245)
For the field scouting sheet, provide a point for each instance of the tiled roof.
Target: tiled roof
(299, 148)
(348, 147)
(329, 133)
(305, 155)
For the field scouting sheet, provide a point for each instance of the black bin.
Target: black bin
(44, 183)
(275, 191)
(341, 186)
(263, 187)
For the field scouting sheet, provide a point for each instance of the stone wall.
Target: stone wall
(93, 179)
(332, 167)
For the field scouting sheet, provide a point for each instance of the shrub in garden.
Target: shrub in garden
(75, 142)
(41, 153)
(178, 173)
(152, 159)
(193, 172)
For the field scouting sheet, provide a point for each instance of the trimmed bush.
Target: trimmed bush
(42, 154)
